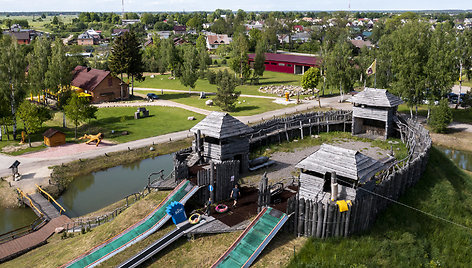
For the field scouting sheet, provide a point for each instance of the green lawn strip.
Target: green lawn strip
(244, 106)
(404, 237)
(458, 115)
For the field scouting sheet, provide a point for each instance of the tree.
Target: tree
(38, 65)
(409, 59)
(12, 75)
(120, 60)
(136, 65)
(311, 79)
(339, 69)
(239, 59)
(33, 117)
(259, 61)
(79, 110)
(55, 20)
(440, 67)
(189, 74)
(226, 96)
(203, 58)
(441, 117)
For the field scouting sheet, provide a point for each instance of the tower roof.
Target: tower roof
(221, 125)
(346, 163)
(376, 97)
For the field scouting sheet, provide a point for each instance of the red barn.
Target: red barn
(287, 63)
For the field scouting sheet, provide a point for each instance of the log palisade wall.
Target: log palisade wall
(220, 179)
(323, 219)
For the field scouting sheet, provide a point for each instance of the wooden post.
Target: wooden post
(301, 129)
(212, 171)
(309, 122)
(286, 132)
(301, 216)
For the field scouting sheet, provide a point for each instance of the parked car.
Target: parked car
(152, 96)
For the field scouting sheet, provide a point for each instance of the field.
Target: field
(37, 24)
(244, 106)
(269, 78)
(404, 237)
(458, 115)
(163, 120)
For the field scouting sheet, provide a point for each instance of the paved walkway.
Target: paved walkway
(198, 92)
(27, 242)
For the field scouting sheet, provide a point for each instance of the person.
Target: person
(235, 194)
(208, 207)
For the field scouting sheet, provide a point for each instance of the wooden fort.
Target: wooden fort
(220, 137)
(374, 111)
(351, 168)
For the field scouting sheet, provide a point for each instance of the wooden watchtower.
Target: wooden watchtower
(220, 137)
(352, 170)
(373, 114)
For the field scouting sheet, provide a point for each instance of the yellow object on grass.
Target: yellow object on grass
(343, 205)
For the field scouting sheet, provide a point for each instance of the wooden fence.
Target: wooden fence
(323, 219)
(299, 126)
(218, 175)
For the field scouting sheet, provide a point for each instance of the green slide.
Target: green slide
(253, 240)
(142, 229)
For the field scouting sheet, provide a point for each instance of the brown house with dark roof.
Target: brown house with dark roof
(101, 85)
(23, 37)
(54, 137)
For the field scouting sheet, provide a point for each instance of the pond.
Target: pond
(14, 218)
(462, 159)
(92, 192)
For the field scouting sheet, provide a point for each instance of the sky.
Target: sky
(210, 5)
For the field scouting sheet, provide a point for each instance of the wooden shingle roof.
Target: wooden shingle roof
(221, 125)
(376, 97)
(51, 132)
(346, 163)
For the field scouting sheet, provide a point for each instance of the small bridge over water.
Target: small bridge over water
(22, 240)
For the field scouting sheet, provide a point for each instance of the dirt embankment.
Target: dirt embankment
(8, 196)
(461, 140)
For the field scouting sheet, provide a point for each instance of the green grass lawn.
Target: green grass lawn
(269, 78)
(39, 25)
(244, 106)
(402, 237)
(163, 120)
(458, 115)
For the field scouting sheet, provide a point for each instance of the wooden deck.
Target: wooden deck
(44, 205)
(164, 185)
(217, 227)
(16, 247)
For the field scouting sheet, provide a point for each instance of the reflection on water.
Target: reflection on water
(14, 218)
(462, 159)
(99, 189)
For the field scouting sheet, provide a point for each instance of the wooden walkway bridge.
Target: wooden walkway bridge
(38, 235)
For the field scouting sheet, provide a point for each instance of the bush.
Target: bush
(223, 61)
(441, 117)
(215, 62)
(211, 76)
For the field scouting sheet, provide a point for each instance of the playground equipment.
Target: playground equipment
(181, 229)
(137, 232)
(287, 96)
(195, 218)
(221, 208)
(23, 137)
(96, 138)
(253, 240)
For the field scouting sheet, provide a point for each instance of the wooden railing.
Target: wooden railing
(61, 209)
(38, 223)
(25, 196)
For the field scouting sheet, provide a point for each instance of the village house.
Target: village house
(22, 36)
(99, 85)
(118, 32)
(88, 38)
(180, 29)
(215, 40)
(287, 63)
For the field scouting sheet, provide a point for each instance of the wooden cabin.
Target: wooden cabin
(54, 137)
(352, 169)
(373, 112)
(220, 137)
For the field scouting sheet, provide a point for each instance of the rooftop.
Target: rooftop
(221, 125)
(376, 97)
(345, 162)
(88, 78)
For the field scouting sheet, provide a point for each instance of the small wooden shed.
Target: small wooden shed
(373, 112)
(352, 168)
(54, 137)
(220, 137)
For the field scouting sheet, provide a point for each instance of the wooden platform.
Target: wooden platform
(169, 184)
(21, 245)
(217, 227)
(44, 205)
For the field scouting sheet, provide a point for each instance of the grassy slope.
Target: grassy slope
(403, 237)
(245, 106)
